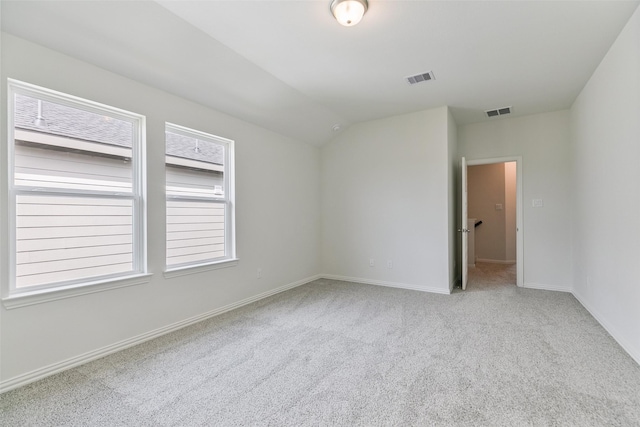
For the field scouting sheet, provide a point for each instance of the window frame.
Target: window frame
(14, 296)
(230, 258)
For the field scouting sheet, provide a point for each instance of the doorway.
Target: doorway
(494, 205)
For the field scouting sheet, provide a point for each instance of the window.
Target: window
(199, 185)
(76, 191)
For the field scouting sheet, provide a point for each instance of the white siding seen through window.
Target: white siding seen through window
(199, 202)
(76, 190)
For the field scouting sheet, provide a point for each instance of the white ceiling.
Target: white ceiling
(290, 67)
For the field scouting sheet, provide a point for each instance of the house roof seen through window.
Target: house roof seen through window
(78, 124)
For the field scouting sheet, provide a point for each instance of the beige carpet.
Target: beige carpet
(333, 353)
(486, 276)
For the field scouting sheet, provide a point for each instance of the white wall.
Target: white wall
(543, 142)
(384, 196)
(605, 125)
(277, 222)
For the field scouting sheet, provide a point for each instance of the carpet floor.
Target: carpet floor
(491, 276)
(338, 353)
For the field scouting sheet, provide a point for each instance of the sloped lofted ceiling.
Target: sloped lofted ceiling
(290, 67)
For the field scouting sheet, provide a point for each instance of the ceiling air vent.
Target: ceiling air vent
(498, 112)
(424, 77)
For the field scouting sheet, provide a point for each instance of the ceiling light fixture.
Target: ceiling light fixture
(349, 12)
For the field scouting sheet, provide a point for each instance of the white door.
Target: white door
(464, 228)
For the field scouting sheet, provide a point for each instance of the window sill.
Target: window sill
(199, 268)
(24, 299)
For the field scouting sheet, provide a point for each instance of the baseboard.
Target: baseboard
(55, 368)
(496, 261)
(547, 287)
(388, 284)
(627, 346)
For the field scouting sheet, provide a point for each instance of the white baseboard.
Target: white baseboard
(388, 284)
(496, 261)
(633, 351)
(547, 287)
(72, 362)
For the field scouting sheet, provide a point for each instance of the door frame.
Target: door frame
(519, 210)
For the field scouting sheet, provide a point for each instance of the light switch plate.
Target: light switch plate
(537, 203)
(498, 206)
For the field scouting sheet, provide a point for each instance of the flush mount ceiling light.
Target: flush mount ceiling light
(349, 12)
